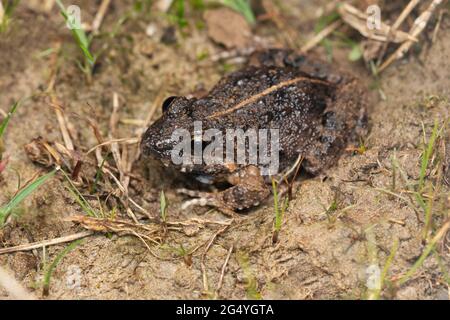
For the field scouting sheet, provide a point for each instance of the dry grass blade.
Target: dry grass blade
(146, 233)
(109, 142)
(358, 20)
(203, 258)
(54, 101)
(114, 120)
(321, 35)
(163, 5)
(405, 13)
(46, 243)
(48, 5)
(128, 160)
(419, 25)
(53, 66)
(438, 26)
(222, 273)
(100, 15)
(149, 232)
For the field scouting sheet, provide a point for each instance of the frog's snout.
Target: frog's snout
(152, 146)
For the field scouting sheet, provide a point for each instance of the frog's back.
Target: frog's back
(264, 97)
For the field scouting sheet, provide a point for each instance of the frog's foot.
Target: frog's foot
(248, 190)
(207, 199)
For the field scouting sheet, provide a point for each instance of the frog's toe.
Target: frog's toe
(191, 193)
(206, 199)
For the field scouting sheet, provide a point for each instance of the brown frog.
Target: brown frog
(316, 109)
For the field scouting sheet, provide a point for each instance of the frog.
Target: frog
(317, 108)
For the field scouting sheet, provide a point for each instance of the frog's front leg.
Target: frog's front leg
(248, 190)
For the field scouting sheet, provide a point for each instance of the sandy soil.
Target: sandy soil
(338, 226)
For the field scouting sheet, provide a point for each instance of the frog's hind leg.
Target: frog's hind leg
(207, 199)
(270, 58)
(343, 123)
(286, 58)
(248, 190)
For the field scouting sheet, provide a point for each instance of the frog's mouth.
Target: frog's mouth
(165, 163)
(183, 168)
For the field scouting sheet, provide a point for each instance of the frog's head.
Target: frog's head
(158, 141)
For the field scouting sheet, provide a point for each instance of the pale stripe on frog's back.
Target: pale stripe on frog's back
(256, 97)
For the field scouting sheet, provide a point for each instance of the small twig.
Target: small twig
(196, 221)
(405, 13)
(48, 5)
(293, 168)
(54, 101)
(145, 212)
(62, 124)
(133, 122)
(153, 107)
(314, 41)
(100, 15)
(202, 262)
(46, 243)
(114, 120)
(402, 223)
(358, 20)
(419, 25)
(12, 286)
(121, 140)
(121, 159)
(438, 25)
(224, 268)
(54, 67)
(152, 110)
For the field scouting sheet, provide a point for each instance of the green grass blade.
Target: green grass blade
(78, 34)
(275, 199)
(428, 151)
(386, 267)
(22, 194)
(5, 121)
(356, 53)
(279, 212)
(55, 263)
(243, 7)
(83, 203)
(251, 283)
(180, 13)
(326, 20)
(428, 249)
(8, 9)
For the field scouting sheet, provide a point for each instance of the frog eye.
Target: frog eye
(166, 104)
